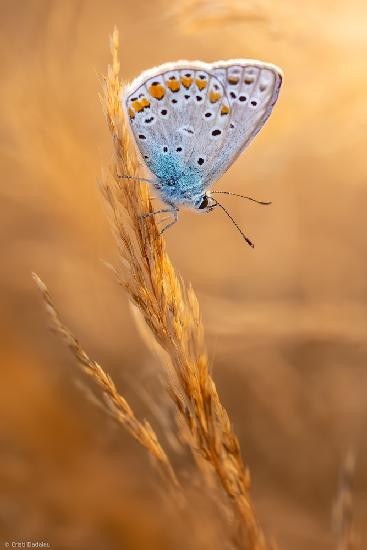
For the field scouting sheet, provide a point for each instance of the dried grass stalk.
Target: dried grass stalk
(170, 310)
(343, 521)
(118, 406)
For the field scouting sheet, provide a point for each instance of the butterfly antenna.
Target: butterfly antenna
(235, 224)
(241, 196)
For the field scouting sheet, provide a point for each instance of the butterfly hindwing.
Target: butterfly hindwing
(252, 89)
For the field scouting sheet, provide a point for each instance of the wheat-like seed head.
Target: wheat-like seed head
(171, 311)
(119, 408)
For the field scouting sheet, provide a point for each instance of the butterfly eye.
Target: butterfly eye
(204, 203)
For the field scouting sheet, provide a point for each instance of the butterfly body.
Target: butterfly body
(191, 120)
(178, 183)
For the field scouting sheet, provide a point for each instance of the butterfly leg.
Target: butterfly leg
(175, 218)
(164, 219)
(173, 210)
(163, 211)
(126, 177)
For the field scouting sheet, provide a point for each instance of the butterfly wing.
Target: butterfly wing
(180, 108)
(203, 114)
(252, 89)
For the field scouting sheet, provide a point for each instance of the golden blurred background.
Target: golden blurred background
(286, 323)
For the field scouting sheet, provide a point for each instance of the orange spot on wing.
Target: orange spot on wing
(201, 84)
(233, 79)
(131, 112)
(156, 91)
(224, 110)
(145, 102)
(186, 81)
(214, 97)
(173, 85)
(137, 105)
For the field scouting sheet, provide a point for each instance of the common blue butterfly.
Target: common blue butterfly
(191, 120)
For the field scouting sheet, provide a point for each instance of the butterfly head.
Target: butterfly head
(205, 203)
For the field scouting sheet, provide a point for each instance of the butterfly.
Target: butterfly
(191, 120)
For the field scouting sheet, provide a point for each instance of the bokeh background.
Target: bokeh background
(286, 323)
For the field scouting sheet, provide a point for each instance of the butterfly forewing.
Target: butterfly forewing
(182, 110)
